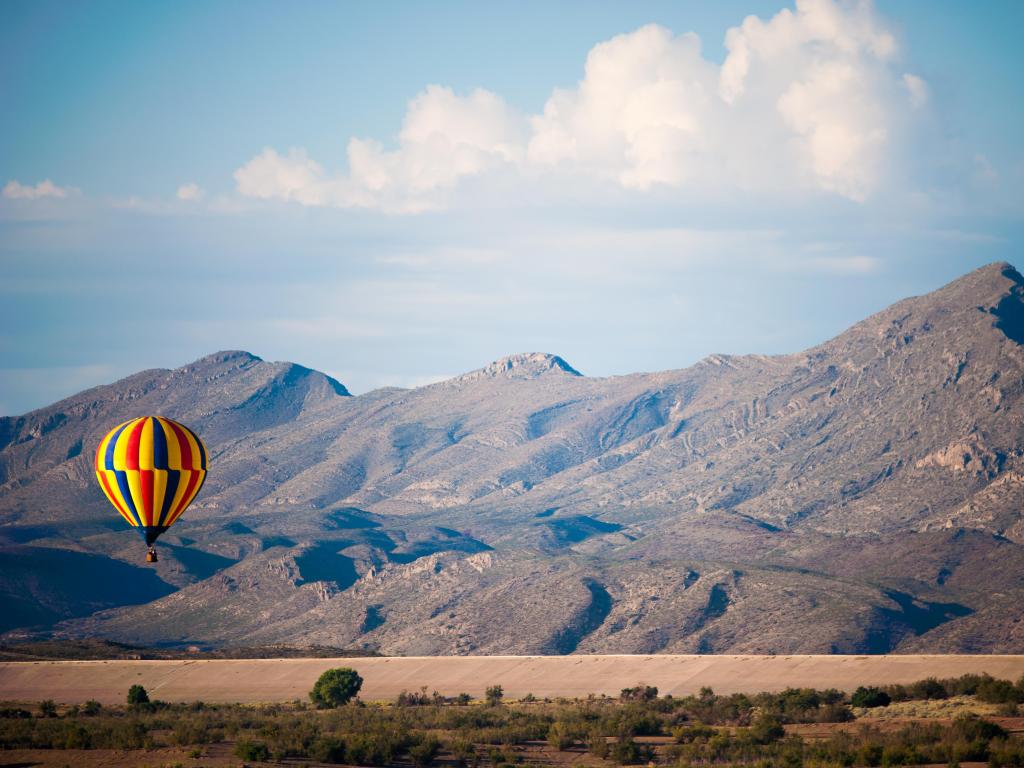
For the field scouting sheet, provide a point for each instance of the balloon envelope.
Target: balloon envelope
(151, 468)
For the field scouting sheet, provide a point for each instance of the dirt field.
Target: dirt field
(267, 680)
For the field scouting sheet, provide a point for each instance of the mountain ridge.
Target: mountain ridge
(869, 487)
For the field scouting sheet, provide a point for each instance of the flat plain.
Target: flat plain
(282, 680)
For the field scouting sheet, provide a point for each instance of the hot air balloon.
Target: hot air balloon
(151, 468)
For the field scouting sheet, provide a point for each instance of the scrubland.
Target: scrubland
(970, 719)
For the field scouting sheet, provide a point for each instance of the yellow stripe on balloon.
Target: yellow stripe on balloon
(173, 452)
(197, 461)
(159, 491)
(113, 495)
(183, 478)
(146, 445)
(116, 488)
(135, 484)
(186, 500)
(121, 446)
(101, 451)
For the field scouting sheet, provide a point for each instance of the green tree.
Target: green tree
(494, 695)
(335, 688)
(137, 695)
(870, 697)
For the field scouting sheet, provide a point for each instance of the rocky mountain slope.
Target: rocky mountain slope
(863, 496)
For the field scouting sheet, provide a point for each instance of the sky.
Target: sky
(395, 193)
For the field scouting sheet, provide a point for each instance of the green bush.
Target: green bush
(328, 750)
(252, 750)
(766, 730)
(870, 697)
(47, 708)
(423, 754)
(494, 694)
(625, 751)
(137, 695)
(335, 688)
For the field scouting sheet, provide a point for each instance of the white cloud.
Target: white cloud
(917, 88)
(810, 100)
(190, 192)
(14, 190)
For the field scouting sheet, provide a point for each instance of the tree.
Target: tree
(494, 695)
(335, 688)
(48, 708)
(870, 697)
(137, 695)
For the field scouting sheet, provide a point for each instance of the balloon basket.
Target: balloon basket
(151, 556)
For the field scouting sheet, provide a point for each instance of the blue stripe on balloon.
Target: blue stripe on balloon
(202, 450)
(108, 460)
(159, 445)
(173, 476)
(126, 492)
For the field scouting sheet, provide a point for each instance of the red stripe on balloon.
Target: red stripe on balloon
(184, 449)
(146, 481)
(131, 456)
(186, 497)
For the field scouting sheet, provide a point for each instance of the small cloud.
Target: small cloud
(190, 192)
(15, 190)
(917, 88)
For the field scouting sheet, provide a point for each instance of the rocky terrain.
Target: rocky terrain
(866, 495)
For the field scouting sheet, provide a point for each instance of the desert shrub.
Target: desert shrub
(996, 691)
(639, 693)
(328, 750)
(374, 748)
(870, 697)
(463, 699)
(691, 733)
(137, 695)
(14, 713)
(766, 729)
(335, 688)
(625, 751)
(252, 750)
(189, 731)
(407, 699)
(561, 735)
(91, 708)
(493, 695)
(77, 737)
(598, 745)
(47, 708)
(423, 754)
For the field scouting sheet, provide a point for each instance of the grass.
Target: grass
(637, 728)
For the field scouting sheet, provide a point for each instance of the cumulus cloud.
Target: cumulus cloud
(810, 100)
(190, 192)
(14, 190)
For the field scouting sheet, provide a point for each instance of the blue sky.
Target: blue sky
(399, 192)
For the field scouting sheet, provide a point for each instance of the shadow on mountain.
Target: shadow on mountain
(199, 564)
(42, 585)
(439, 540)
(349, 518)
(1009, 312)
(564, 531)
(324, 562)
(911, 617)
(587, 620)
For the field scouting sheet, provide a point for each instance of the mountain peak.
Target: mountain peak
(231, 356)
(525, 365)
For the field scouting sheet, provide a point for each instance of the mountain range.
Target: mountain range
(863, 496)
